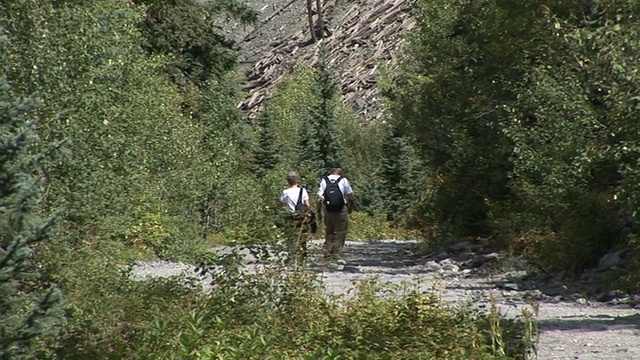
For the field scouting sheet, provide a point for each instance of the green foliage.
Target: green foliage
(308, 144)
(118, 117)
(272, 313)
(513, 119)
(370, 197)
(320, 135)
(399, 175)
(110, 312)
(151, 227)
(132, 145)
(524, 112)
(568, 132)
(188, 32)
(362, 153)
(364, 226)
(630, 280)
(290, 105)
(30, 309)
(443, 100)
(267, 153)
(292, 109)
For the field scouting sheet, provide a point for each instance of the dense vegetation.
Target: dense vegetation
(508, 121)
(525, 114)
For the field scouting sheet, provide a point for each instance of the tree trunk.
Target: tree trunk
(320, 18)
(310, 13)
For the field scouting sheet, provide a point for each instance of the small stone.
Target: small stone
(452, 268)
(610, 260)
(432, 265)
(516, 275)
(446, 262)
(620, 300)
(612, 295)
(510, 286)
(581, 301)
(460, 247)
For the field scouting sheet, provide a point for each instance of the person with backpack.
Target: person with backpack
(299, 216)
(335, 203)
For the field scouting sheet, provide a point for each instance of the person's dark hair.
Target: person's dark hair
(335, 168)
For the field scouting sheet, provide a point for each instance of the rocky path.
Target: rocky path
(569, 329)
(571, 326)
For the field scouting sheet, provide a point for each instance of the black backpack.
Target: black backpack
(333, 197)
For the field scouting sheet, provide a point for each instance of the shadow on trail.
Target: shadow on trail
(382, 257)
(393, 255)
(602, 322)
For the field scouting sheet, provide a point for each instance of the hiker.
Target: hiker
(295, 199)
(335, 203)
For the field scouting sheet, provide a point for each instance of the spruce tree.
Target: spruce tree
(26, 311)
(324, 119)
(397, 174)
(187, 31)
(308, 150)
(267, 156)
(372, 201)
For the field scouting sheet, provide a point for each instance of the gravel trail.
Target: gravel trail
(570, 328)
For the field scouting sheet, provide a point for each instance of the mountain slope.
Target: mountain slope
(365, 35)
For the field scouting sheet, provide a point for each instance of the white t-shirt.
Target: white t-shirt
(290, 196)
(344, 186)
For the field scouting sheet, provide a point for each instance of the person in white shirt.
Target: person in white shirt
(296, 228)
(336, 218)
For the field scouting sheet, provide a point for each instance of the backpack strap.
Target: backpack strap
(299, 197)
(326, 178)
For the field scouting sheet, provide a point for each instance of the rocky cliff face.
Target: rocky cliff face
(363, 37)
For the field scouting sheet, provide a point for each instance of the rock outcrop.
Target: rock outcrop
(363, 36)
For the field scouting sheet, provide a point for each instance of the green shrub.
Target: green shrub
(630, 278)
(274, 312)
(363, 226)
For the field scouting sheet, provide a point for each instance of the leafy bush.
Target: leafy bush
(280, 314)
(631, 277)
(363, 226)
(527, 128)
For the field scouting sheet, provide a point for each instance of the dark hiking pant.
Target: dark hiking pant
(336, 224)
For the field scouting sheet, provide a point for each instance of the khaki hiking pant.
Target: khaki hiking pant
(296, 238)
(335, 225)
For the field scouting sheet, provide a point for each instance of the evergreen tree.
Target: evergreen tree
(397, 174)
(371, 201)
(267, 155)
(187, 30)
(26, 312)
(324, 119)
(308, 150)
